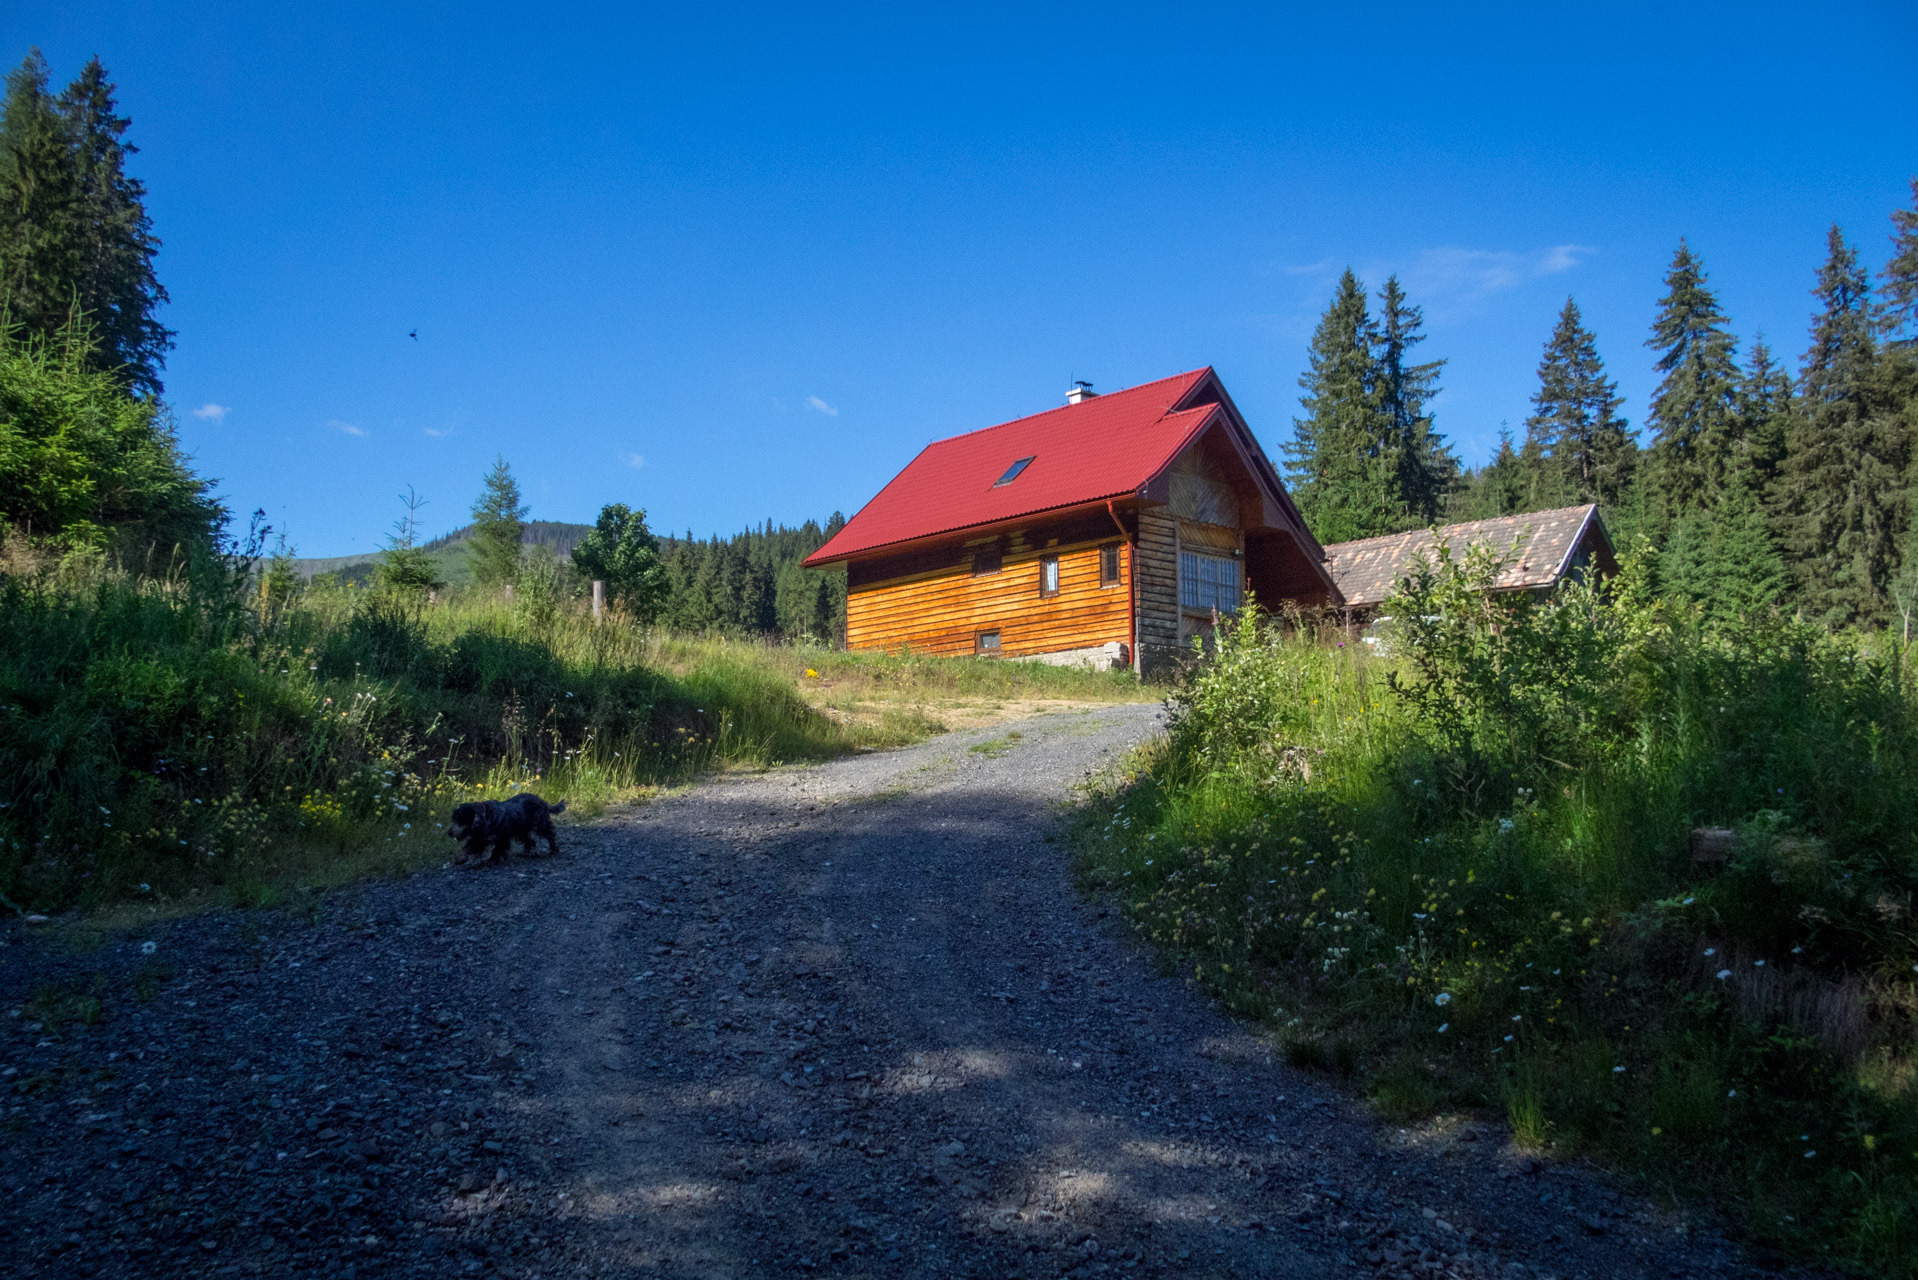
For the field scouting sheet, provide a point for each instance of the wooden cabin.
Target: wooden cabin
(1109, 531)
(1540, 550)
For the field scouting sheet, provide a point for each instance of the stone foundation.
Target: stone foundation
(1104, 657)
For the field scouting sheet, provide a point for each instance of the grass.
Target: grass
(1459, 873)
(165, 743)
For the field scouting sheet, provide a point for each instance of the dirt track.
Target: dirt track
(849, 1020)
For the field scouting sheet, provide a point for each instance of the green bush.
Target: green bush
(86, 467)
(162, 736)
(1468, 856)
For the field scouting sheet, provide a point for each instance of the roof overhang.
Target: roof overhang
(966, 533)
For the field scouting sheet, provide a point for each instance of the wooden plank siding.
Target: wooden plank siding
(1158, 557)
(942, 611)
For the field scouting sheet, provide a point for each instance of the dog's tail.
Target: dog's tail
(558, 808)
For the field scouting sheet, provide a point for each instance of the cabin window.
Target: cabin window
(1208, 582)
(986, 643)
(1012, 472)
(987, 560)
(1109, 566)
(1048, 575)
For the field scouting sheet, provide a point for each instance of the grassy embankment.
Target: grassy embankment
(181, 740)
(1460, 875)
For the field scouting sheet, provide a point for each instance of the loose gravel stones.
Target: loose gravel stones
(849, 1020)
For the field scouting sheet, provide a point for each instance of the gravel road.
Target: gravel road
(849, 1020)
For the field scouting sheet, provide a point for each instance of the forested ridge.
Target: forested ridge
(1755, 486)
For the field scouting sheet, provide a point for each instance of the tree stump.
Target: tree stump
(1712, 846)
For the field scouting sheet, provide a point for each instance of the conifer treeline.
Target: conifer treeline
(1757, 488)
(752, 582)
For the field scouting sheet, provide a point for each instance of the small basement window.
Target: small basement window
(1109, 566)
(1048, 575)
(1012, 472)
(986, 643)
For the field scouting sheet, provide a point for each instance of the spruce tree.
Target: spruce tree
(1842, 488)
(1682, 572)
(1693, 413)
(41, 251)
(1574, 436)
(1901, 273)
(74, 231)
(494, 551)
(1764, 414)
(1427, 470)
(1743, 570)
(406, 568)
(1496, 489)
(1343, 473)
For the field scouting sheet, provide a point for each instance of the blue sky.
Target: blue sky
(732, 264)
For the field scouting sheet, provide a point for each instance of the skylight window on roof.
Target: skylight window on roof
(1012, 472)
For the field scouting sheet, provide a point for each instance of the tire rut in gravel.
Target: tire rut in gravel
(848, 1020)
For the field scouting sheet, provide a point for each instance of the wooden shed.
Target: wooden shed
(1105, 532)
(1540, 549)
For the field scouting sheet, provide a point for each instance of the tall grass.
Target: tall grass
(162, 737)
(1460, 871)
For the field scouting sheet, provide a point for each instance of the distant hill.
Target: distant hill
(449, 550)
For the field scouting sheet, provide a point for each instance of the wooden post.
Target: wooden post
(599, 598)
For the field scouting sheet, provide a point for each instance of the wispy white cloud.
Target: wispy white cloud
(347, 427)
(814, 402)
(1452, 278)
(1447, 280)
(214, 413)
(634, 460)
(438, 433)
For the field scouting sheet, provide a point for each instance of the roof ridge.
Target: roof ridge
(1441, 529)
(1061, 408)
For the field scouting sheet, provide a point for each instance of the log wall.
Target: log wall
(942, 610)
(1158, 557)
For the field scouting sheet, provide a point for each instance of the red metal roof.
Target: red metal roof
(1103, 447)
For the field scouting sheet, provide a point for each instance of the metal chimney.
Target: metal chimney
(1081, 390)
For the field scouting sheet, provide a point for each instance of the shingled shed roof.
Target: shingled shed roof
(1541, 547)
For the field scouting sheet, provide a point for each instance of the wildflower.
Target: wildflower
(1618, 1071)
(1656, 1131)
(1508, 1039)
(1724, 974)
(1518, 1017)
(1733, 1093)
(148, 948)
(1810, 1154)
(1444, 998)
(1689, 901)
(1444, 1027)
(1711, 951)
(1758, 964)
(146, 888)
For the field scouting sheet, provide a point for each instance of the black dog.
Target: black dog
(500, 822)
